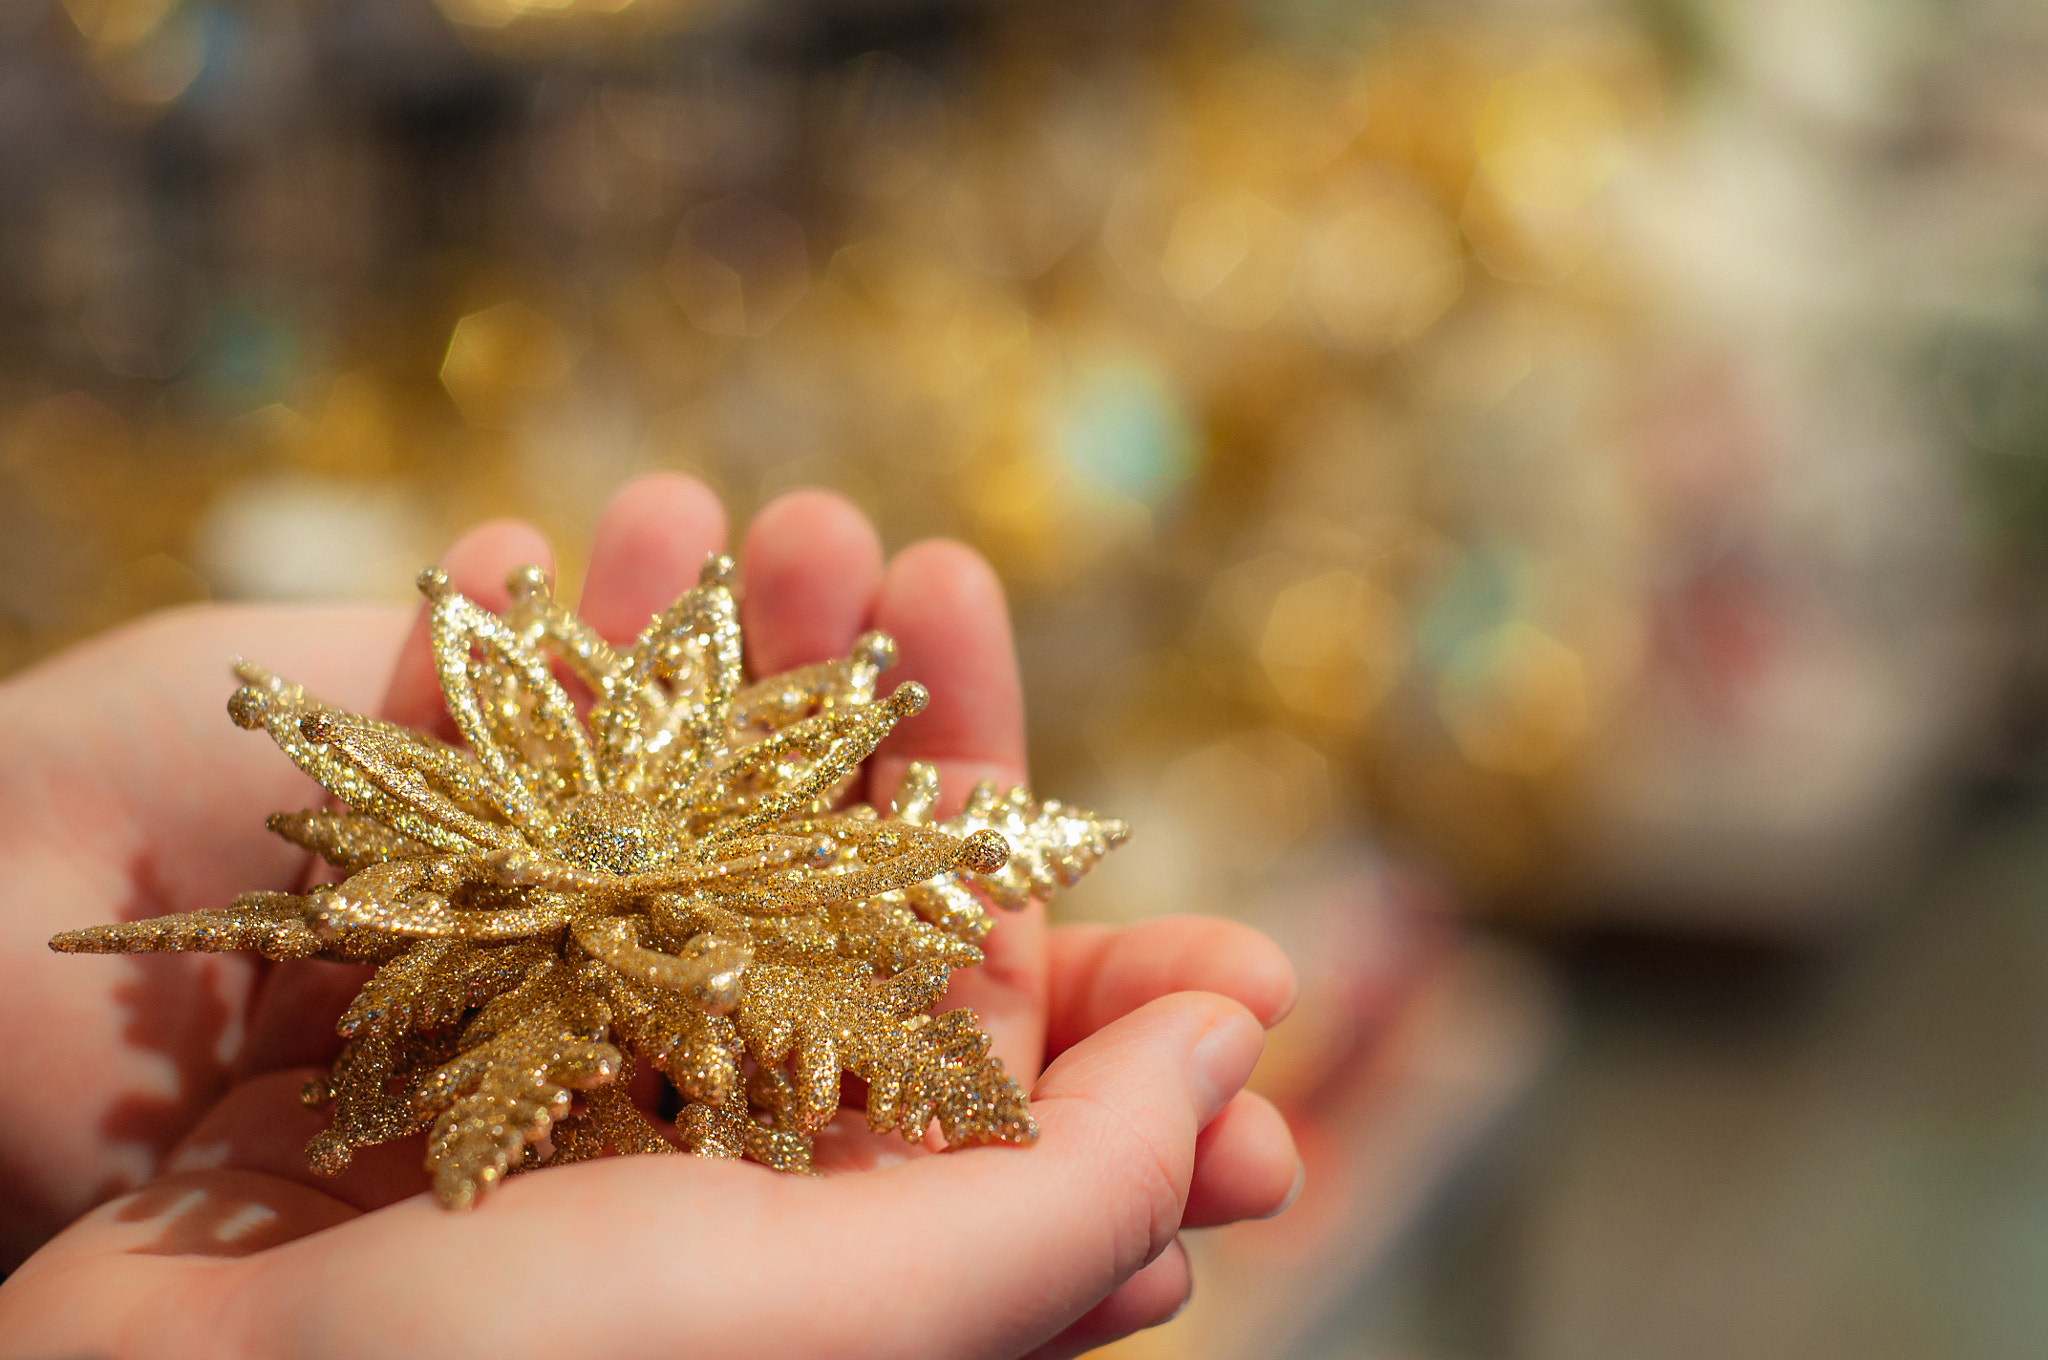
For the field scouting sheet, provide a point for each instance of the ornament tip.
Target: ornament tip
(245, 708)
(876, 649)
(986, 852)
(528, 582)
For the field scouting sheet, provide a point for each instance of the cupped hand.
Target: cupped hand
(137, 797)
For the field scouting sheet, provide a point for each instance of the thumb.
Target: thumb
(1122, 1109)
(1018, 1245)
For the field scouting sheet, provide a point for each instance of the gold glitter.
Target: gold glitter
(677, 880)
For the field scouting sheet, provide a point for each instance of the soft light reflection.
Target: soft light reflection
(1514, 698)
(1382, 265)
(499, 356)
(298, 537)
(110, 24)
(1230, 260)
(1332, 647)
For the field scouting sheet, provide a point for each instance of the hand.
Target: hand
(1149, 1033)
(125, 793)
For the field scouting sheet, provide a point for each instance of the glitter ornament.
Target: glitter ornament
(678, 879)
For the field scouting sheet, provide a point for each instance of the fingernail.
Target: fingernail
(1286, 1006)
(1221, 1060)
(1293, 1191)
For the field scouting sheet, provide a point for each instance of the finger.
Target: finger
(1098, 973)
(944, 606)
(477, 566)
(1153, 1296)
(1245, 1165)
(650, 547)
(1139, 1088)
(810, 566)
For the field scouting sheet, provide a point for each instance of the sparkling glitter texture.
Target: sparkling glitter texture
(678, 879)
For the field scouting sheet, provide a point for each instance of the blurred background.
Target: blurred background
(1542, 506)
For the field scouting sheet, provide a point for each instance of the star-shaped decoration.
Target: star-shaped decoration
(675, 875)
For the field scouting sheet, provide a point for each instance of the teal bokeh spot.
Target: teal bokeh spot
(224, 42)
(249, 357)
(1122, 429)
(1480, 593)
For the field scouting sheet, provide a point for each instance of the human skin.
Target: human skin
(157, 1096)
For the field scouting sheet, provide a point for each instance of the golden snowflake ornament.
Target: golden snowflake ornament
(676, 879)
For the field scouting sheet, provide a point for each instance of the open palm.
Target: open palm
(125, 793)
